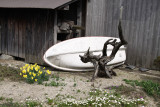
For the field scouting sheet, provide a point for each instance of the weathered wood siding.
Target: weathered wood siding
(140, 23)
(26, 33)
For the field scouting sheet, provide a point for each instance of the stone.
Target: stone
(6, 57)
(143, 69)
(130, 67)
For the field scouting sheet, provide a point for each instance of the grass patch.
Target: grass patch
(78, 91)
(99, 98)
(55, 81)
(9, 73)
(8, 102)
(56, 77)
(95, 92)
(33, 104)
(150, 87)
(127, 91)
(2, 98)
(11, 104)
(49, 101)
(75, 84)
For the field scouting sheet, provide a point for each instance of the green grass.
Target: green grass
(11, 104)
(49, 101)
(8, 102)
(32, 104)
(99, 98)
(127, 91)
(75, 84)
(10, 73)
(78, 91)
(150, 87)
(56, 81)
(88, 81)
(95, 92)
(2, 98)
(55, 76)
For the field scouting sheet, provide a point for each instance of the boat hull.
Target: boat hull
(68, 59)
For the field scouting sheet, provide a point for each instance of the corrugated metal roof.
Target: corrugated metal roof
(49, 4)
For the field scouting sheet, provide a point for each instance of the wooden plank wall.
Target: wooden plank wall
(140, 23)
(26, 33)
(3, 26)
(39, 34)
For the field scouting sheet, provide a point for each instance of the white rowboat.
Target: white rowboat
(65, 55)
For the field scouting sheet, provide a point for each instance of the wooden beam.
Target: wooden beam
(55, 27)
(0, 38)
(79, 15)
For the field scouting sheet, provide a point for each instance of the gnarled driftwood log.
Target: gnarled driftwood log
(100, 62)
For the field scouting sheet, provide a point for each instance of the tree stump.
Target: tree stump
(100, 62)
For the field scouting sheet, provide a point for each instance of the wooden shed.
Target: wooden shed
(29, 28)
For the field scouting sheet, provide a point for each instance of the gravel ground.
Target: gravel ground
(20, 91)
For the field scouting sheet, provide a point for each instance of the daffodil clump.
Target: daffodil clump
(34, 73)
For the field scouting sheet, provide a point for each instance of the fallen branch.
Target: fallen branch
(100, 62)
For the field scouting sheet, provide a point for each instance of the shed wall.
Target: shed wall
(140, 24)
(26, 33)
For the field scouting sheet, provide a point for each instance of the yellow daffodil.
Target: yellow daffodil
(35, 65)
(36, 68)
(24, 71)
(31, 67)
(25, 76)
(40, 72)
(48, 72)
(26, 65)
(34, 74)
(28, 69)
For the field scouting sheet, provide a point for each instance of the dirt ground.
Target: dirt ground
(20, 91)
